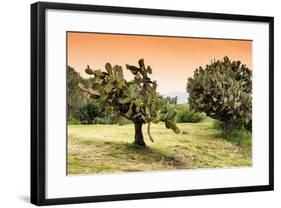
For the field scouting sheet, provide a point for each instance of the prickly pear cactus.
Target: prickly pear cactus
(223, 90)
(136, 100)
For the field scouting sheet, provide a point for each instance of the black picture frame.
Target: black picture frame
(38, 99)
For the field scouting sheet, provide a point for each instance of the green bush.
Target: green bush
(102, 120)
(240, 137)
(186, 115)
(73, 121)
(89, 112)
(122, 121)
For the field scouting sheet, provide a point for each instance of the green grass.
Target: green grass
(109, 148)
(241, 137)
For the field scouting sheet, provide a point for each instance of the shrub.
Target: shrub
(73, 121)
(89, 112)
(240, 137)
(122, 121)
(102, 120)
(186, 115)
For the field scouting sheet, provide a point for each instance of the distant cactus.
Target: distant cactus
(223, 90)
(136, 100)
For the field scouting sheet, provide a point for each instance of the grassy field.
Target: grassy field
(109, 148)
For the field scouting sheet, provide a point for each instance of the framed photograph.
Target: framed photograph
(134, 103)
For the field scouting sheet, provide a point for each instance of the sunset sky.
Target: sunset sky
(172, 59)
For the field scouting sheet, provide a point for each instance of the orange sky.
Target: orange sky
(172, 59)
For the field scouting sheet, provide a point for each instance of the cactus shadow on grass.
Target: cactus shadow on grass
(118, 157)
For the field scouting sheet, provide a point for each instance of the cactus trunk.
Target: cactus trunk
(138, 134)
(229, 125)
